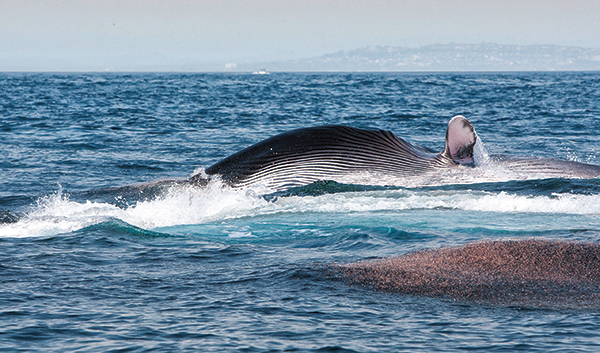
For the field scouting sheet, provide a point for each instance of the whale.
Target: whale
(533, 272)
(353, 155)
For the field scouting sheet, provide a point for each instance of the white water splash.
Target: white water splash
(56, 214)
(400, 200)
(481, 155)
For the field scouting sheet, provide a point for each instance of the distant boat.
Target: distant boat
(261, 72)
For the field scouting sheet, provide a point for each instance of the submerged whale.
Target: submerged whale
(376, 157)
(519, 272)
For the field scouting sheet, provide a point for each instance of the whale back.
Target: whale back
(543, 168)
(303, 156)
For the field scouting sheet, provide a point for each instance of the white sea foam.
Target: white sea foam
(464, 200)
(57, 214)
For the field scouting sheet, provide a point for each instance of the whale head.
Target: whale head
(460, 140)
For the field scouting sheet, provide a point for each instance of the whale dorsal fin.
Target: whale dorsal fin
(460, 140)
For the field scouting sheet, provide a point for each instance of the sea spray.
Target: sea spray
(185, 204)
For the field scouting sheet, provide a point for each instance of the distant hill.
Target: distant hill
(445, 57)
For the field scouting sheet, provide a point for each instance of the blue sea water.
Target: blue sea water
(88, 263)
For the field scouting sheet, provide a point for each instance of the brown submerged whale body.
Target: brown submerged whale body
(534, 273)
(373, 157)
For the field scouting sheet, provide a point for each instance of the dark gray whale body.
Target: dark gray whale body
(372, 157)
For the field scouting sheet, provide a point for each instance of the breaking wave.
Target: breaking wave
(184, 205)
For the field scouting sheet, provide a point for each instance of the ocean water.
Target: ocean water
(90, 261)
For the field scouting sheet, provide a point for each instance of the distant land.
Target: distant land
(442, 57)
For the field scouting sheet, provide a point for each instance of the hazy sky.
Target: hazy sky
(139, 35)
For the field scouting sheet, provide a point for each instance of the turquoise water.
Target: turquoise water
(89, 263)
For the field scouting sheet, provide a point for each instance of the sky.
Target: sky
(212, 35)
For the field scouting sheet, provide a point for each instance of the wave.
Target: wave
(186, 205)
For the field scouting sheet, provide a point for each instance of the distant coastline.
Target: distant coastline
(442, 57)
(484, 57)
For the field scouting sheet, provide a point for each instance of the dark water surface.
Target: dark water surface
(86, 265)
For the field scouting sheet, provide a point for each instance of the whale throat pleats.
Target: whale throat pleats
(303, 156)
(351, 155)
